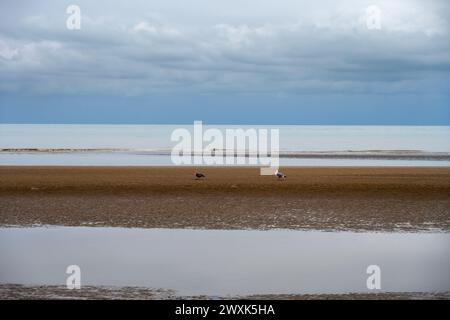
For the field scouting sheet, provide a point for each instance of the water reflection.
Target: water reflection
(226, 262)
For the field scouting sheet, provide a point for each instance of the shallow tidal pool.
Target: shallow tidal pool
(226, 262)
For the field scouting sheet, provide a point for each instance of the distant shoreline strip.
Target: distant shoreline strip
(348, 154)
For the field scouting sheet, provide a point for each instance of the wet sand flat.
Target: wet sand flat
(20, 292)
(365, 199)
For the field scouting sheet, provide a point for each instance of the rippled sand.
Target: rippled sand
(357, 199)
(18, 292)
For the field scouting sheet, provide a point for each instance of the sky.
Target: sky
(351, 62)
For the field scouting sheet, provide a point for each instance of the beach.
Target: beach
(11, 291)
(407, 199)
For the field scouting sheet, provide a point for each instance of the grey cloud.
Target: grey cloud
(324, 48)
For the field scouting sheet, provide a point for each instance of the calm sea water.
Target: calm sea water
(132, 144)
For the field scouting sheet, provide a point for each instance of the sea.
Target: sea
(151, 145)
